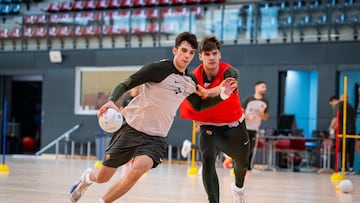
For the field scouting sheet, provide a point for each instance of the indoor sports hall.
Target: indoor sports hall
(60, 60)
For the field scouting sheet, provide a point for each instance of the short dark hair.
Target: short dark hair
(188, 37)
(260, 82)
(209, 43)
(334, 97)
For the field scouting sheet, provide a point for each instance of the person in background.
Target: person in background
(336, 125)
(256, 110)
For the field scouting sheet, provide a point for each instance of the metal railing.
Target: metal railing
(65, 136)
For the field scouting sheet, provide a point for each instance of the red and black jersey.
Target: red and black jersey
(227, 111)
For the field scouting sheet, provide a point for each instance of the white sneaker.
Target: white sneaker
(238, 193)
(81, 186)
(186, 148)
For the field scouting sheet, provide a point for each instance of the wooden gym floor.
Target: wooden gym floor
(48, 180)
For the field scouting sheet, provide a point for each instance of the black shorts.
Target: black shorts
(128, 143)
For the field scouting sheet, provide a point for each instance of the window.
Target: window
(93, 86)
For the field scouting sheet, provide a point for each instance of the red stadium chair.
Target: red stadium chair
(151, 3)
(177, 2)
(54, 18)
(115, 30)
(139, 22)
(117, 14)
(196, 11)
(181, 11)
(113, 4)
(53, 7)
(126, 4)
(77, 6)
(15, 33)
(152, 13)
(97, 16)
(29, 19)
(41, 19)
(153, 28)
(65, 18)
(101, 5)
(4, 34)
(90, 5)
(165, 2)
(65, 31)
(39, 32)
(87, 31)
(189, 2)
(52, 31)
(89, 16)
(28, 32)
(166, 12)
(65, 6)
(138, 3)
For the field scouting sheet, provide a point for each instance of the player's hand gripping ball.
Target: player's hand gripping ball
(111, 120)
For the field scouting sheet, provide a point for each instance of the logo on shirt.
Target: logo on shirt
(178, 90)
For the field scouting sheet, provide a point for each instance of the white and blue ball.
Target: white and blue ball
(111, 120)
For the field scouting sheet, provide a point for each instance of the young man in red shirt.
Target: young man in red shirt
(222, 127)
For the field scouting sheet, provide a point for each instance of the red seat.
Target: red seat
(101, 4)
(97, 16)
(65, 18)
(126, 4)
(177, 2)
(192, 2)
(15, 33)
(52, 31)
(89, 16)
(29, 19)
(138, 3)
(152, 13)
(41, 19)
(180, 11)
(90, 5)
(113, 4)
(283, 144)
(86, 31)
(151, 3)
(77, 6)
(40, 32)
(166, 12)
(65, 6)
(153, 28)
(65, 31)
(53, 7)
(54, 18)
(115, 30)
(297, 145)
(4, 34)
(28, 32)
(196, 11)
(165, 2)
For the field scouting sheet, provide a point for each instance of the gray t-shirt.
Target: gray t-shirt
(162, 89)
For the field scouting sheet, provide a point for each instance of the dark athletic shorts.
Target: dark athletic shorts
(128, 143)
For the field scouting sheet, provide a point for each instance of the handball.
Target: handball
(111, 120)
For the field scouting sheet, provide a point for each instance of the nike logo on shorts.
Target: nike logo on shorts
(245, 143)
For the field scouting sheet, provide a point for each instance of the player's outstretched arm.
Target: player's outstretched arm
(216, 90)
(225, 91)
